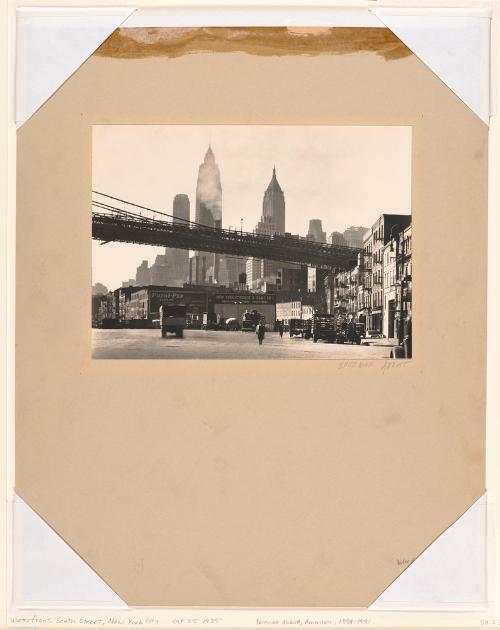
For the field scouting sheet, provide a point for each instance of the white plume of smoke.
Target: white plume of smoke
(209, 189)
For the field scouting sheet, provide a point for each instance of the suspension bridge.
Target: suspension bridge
(118, 220)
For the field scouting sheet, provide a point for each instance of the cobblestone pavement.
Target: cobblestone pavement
(201, 344)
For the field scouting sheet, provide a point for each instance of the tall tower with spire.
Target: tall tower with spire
(209, 192)
(273, 205)
(271, 222)
(208, 212)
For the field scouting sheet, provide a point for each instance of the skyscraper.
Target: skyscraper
(230, 269)
(271, 222)
(143, 274)
(354, 236)
(315, 232)
(273, 206)
(177, 260)
(180, 209)
(337, 238)
(253, 272)
(159, 271)
(209, 211)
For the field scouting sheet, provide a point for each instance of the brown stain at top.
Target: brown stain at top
(136, 43)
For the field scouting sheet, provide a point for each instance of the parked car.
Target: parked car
(300, 328)
(209, 321)
(250, 320)
(295, 327)
(232, 323)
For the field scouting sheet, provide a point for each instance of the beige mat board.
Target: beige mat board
(251, 483)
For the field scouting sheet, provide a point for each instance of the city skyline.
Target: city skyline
(328, 162)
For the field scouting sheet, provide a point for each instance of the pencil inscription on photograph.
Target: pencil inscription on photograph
(272, 242)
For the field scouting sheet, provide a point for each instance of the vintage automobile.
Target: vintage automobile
(232, 323)
(295, 327)
(347, 333)
(250, 320)
(299, 328)
(209, 321)
(213, 321)
(172, 319)
(324, 327)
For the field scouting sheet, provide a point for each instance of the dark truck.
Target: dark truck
(347, 333)
(250, 320)
(300, 328)
(172, 319)
(295, 327)
(324, 327)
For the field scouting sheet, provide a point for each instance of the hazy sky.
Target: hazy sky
(342, 175)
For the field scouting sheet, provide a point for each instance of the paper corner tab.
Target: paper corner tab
(450, 574)
(454, 45)
(47, 572)
(51, 44)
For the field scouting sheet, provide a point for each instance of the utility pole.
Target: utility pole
(399, 280)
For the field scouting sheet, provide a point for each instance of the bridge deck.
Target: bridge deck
(285, 248)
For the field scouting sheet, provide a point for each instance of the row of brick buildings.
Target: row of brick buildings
(377, 291)
(138, 307)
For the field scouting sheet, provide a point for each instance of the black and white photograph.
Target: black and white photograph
(251, 242)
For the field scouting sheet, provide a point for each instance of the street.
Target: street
(210, 344)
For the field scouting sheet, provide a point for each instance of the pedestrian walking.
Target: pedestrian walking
(260, 331)
(281, 328)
